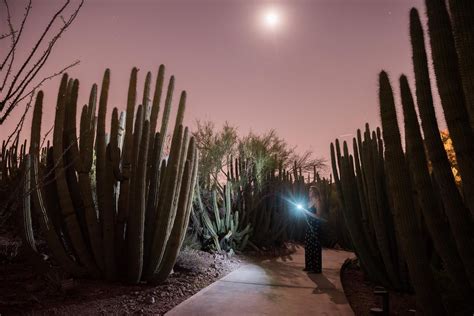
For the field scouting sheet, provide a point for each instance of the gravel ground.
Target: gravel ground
(23, 292)
(360, 293)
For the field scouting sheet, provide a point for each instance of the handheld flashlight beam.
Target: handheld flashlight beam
(298, 206)
(301, 208)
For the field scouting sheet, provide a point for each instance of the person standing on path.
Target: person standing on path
(313, 252)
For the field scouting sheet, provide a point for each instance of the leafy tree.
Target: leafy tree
(216, 148)
(261, 152)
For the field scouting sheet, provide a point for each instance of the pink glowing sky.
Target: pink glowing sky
(312, 80)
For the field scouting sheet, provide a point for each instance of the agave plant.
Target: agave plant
(219, 228)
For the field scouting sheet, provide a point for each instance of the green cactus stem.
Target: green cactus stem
(405, 217)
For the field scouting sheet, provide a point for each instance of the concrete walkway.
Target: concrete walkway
(274, 287)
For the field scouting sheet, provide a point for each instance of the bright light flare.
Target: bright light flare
(296, 204)
(271, 18)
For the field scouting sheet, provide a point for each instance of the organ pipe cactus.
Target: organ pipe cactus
(454, 207)
(67, 93)
(451, 92)
(437, 226)
(404, 206)
(12, 158)
(43, 203)
(347, 184)
(412, 190)
(265, 199)
(463, 31)
(360, 182)
(106, 225)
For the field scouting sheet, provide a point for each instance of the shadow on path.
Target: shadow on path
(324, 286)
(274, 286)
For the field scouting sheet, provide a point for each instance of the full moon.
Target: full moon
(271, 18)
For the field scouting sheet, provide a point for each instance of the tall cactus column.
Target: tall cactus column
(437, 226)
(65, 201)
(126, 163)
(136, 223)
(452, 94)
(52, 235)
(346, 185)
(104, 197)
(405, 216)
(463, 29)
(454, 207)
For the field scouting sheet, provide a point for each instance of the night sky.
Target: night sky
(312, 78)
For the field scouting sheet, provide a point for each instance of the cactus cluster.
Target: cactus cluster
(263, 202)
(109, 204)
(219, 228)
(333, 232)
(267, 201)
(403, 207)
(12, 158)
(361, 184)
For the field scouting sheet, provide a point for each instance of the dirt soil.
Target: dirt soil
(22, 291)
(360, 293)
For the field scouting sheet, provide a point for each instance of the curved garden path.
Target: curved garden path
(274, 287)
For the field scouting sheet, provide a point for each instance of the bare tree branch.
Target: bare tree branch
(14, 40)
(40, 40)
(19, 126)
(49, 78)
(2, 36)
(17, 84)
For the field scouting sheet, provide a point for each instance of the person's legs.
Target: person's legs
(307, 250)
(317, 250)
(310, 247)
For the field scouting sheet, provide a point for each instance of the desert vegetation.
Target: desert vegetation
(115, 204)
(406, 209)
(94, 208)
(249, 186)
(129, 198)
